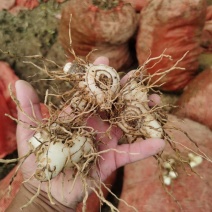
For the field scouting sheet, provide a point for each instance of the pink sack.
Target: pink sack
(175, 26)
(196, 101)
(7, 126)
(206, 42)
(143, 189)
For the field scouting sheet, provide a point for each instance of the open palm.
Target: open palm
(108, 162)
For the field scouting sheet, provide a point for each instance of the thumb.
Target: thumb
(29, 113)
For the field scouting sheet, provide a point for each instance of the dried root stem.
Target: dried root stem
(96, 90)
(33, 197)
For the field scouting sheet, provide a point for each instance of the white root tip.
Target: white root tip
(173, 174)
(167, 180)
(195, 160)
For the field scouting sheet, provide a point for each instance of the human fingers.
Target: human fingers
(129, 153)
(28, 113)
(154, 99)
(101, 60)
(126, 77)
(108, 136)
(107, 139)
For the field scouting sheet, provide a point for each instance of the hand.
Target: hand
(108, 162)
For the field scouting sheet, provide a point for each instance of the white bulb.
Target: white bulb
(67, 67)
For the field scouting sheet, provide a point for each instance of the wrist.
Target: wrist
(40, 203)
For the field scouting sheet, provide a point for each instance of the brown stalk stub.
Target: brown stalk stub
(40, 175)
(133, 122)
(103, 81)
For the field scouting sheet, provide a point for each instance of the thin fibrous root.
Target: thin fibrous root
(33, 197)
